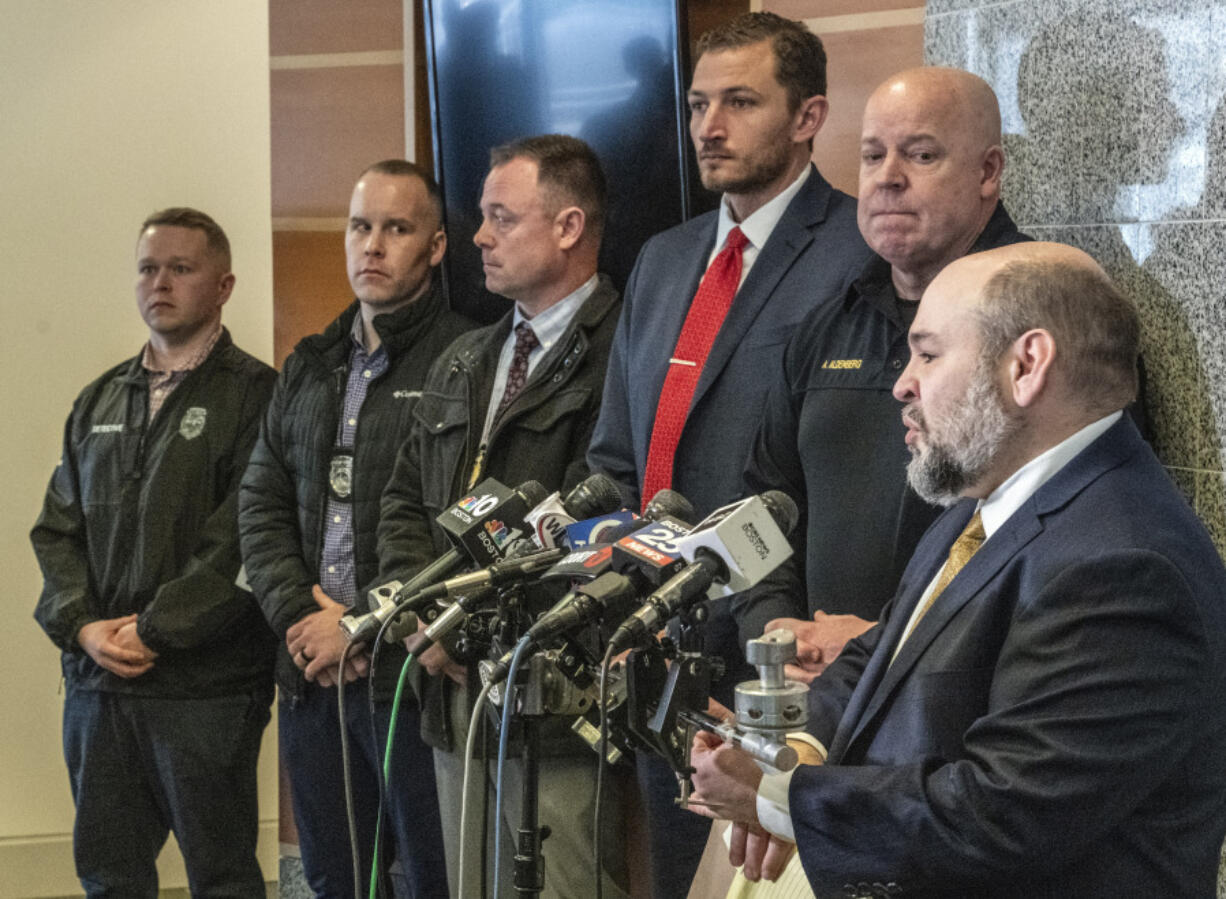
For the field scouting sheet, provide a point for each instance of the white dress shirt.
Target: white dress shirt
(548, 326)
(757, 227)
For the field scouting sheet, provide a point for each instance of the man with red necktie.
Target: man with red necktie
(709, 308)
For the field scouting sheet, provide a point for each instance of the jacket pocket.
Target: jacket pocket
(439, 414)
(445, 422)
(558, 407)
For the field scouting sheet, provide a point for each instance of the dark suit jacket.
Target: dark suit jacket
(812, 255)
(1055, 725)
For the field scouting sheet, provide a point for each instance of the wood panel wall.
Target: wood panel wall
(866, 41)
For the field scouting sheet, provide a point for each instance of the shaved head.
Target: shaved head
(930, 170)
(967, 102)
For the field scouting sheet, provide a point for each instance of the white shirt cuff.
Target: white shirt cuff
(774, 811)
(772, 804)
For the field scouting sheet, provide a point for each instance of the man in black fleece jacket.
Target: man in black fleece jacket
(308, 512)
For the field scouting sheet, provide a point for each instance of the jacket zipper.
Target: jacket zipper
(479, 460)
(339, 375)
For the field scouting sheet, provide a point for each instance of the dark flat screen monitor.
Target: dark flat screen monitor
(609, 71)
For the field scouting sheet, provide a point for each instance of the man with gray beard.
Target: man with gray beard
(1038, 711)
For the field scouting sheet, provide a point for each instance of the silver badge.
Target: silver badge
(193, 422)
(340, 476)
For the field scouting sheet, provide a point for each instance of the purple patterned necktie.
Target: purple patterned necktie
(517, 375)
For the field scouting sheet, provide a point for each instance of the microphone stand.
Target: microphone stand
(529, 877)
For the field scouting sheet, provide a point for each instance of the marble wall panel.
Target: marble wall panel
(1114, 114)
(1211, 507)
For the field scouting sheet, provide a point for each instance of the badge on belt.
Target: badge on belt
(340, 474)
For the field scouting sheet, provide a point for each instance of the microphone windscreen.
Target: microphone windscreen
(533, 493)
(597, 494)
(669, 502)
(782, 508)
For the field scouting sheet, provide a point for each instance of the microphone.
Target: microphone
(594, 496)
(592, 541)
(476, 527)
(581, 606)
(500, 573)
(644, 558)
(729, 551)
(618, 572)
(652, 552)
(668, 502)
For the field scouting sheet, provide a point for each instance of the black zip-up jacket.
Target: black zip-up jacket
(141, 517)
(285, 490)
(543, 435)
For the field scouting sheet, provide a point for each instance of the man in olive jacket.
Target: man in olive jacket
(167, 661)
(308, 515)
(513, 401)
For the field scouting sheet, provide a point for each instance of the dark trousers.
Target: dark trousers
(311, 752)
(676, 837)
(141, 767)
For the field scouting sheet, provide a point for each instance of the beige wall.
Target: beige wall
(109, 110)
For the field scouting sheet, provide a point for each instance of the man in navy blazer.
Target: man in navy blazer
(1049, 721)
(757, 99)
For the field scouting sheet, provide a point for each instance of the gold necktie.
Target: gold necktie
(960, 553)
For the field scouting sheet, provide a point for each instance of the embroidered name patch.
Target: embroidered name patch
(106, 429)
(842, 363)
(405, 394)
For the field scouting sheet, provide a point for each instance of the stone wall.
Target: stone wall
(1115, 129)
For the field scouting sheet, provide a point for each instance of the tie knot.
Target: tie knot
(974, 529)
(736, 240)
(525, 338)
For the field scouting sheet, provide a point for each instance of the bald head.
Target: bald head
(963, 103)
(930, 170)
(1012, 351)
(1063, 291)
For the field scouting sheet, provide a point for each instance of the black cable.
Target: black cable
(600, 768)
(346, 775)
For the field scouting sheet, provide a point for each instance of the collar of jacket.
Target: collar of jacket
(398, 330)
(811, 204)
(135, 372)
(603, 300)
(876, 285)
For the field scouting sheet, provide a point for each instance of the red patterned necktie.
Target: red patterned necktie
(517, 375)
(707, 311)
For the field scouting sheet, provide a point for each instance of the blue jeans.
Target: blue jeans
(143, 766)
(311, 754)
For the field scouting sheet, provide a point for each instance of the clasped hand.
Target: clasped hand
(316, 644)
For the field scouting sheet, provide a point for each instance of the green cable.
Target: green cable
(387, 756)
